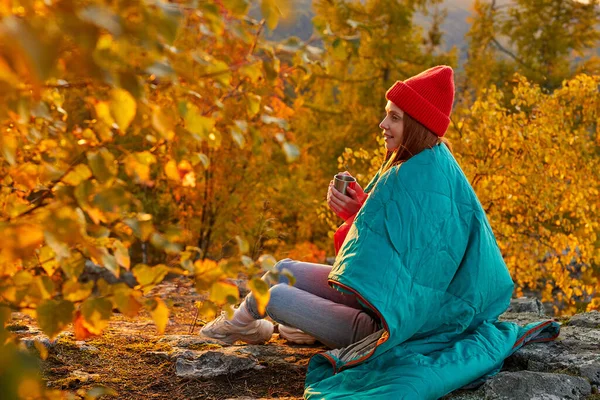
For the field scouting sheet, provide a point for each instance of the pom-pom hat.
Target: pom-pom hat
(427, 97)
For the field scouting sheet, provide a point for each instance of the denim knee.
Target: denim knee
(282, 264)
(278, 295)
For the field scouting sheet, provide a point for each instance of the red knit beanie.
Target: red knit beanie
(426, 97)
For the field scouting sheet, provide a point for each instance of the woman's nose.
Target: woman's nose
(382, 124)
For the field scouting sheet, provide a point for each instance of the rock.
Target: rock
(209, 364)
(535, 385)
(83, 346)
(193, 342)
(587, 320)
(93, 272)
(526, 305)
(576, 350)
(29, 342)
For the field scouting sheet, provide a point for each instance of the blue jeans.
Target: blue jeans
(311, 305)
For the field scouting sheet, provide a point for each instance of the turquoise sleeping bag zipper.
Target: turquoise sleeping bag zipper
(422, 256)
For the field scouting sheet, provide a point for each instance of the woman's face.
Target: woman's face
(392, 126)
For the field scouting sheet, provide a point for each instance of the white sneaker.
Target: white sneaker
(257, 332)
(295, 335)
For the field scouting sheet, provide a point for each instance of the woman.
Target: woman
(419, 280)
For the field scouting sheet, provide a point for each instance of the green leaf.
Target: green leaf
(96, 313)
(260, 291)
(253, 104)
(224, 293)
(282, 123)
(73, 266)
(54, 315)
(198, 124)
(339, 50)
(148, 276)
(252, 71)
(80, 173)
(122, 107)
(171, 20)
(270, 12)
(242, 244)
(271, 68)
(75, 291)
(103, 18)
(200, 158)
(237, 7)
(238, 137)
(103, 164)
(247, 261)
(291, 152)
(110, 263)
(267, 262)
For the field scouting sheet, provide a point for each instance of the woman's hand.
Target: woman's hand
(346, 206)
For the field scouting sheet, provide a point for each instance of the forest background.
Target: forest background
(198, 138)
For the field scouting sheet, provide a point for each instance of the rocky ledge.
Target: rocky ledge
(568, 368)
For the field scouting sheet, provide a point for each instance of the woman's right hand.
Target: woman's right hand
(345, 206)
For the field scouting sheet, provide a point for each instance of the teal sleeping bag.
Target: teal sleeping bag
(422, 256)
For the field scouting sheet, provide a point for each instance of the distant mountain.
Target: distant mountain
(455, 25)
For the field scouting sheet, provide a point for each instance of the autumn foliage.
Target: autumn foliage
(157, 138)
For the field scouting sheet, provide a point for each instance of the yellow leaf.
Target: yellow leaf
(148, 277)
(207, 309)
(138, 166)
(189, 179)
(122, 107)
(103, 113)
(253, 104)
(160, 315)
(270, 12)
(267, 262)
(122, 254)
(9, 145)
(75, 291)
(41, 348)
(224, 292)
(47, 258)
(260, 291)
(96, 314)
(163, 124)
(171, 171)
(126, 300)
(54, 315)
(103, 164)
(198, 124)
(80, 173)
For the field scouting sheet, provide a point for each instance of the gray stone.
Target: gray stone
(535, 385)
(209, 364)
(29, 342)
(587, 320)
(526, 305)
(83, 346)
(93, 272)
(577, 350)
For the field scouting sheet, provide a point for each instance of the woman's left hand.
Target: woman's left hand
(345, 206)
